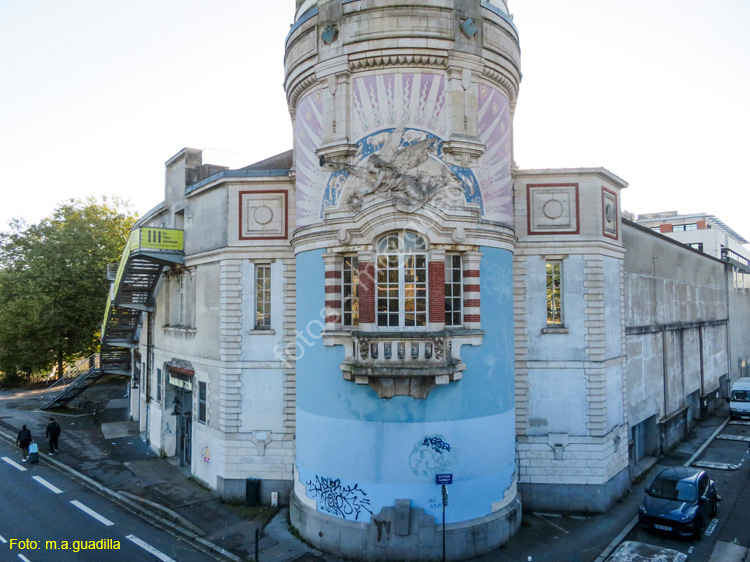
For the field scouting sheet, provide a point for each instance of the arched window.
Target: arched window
(401, 280)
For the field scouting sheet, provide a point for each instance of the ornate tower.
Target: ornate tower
(404, 245)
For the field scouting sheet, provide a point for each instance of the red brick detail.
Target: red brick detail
(366, 293)
(471, 273)
(333, 304)
(471, 288)
(333, 289)
(702, 225)
(471, 317)
(436, 288)
(471, 302)
(333, 274)
(333, 318)
(665, 228)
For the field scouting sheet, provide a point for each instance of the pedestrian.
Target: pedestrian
(24, 440)
(53, 433)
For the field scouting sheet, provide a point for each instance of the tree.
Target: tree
(53, 282)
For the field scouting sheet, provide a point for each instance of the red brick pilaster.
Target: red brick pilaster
(366, 293)
(436, 284)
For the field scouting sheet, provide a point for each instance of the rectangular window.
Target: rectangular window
(202, 395)
(554, 293)
(262, 297)
(158, 385)
(415, 290)
(453, 290)
(350, 284)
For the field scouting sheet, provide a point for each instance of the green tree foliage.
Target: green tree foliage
(53, 282)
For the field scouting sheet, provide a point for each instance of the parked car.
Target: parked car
(679, 501)
(739, 399)
(630, 551)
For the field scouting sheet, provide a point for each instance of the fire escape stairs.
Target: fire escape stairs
(147, 252)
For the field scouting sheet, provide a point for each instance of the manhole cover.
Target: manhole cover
(308, 558)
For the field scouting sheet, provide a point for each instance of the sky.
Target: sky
(95, 95)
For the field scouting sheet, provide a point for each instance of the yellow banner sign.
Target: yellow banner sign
(159, 239)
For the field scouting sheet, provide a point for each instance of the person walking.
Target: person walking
(24, 440)
(53, 433)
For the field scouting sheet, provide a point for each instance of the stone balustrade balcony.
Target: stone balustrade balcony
(406, 363)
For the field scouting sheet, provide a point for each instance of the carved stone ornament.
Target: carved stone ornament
(418, 365)
(405, 175)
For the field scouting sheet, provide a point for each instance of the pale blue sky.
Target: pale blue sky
(96, 95)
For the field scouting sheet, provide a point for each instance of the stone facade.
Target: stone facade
(570, 420)
(394, 299)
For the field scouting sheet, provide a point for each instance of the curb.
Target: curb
(143, 511)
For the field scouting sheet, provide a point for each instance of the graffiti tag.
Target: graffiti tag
(430, 456)
(338, 500)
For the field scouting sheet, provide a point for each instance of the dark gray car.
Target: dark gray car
(679, 501)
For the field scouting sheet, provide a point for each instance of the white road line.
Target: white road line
(47, 485)
(93, 513)
(14, 464)
(2, 540)
(147, 547)
(22, 557)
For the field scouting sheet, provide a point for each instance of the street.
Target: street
(47, 516)
(726, 461)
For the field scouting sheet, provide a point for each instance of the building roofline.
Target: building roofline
(602, 172)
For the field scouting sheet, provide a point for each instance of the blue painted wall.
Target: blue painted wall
(357, 453)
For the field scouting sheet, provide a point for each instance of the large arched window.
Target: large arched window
(401, 281)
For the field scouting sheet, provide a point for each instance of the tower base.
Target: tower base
(405, 534)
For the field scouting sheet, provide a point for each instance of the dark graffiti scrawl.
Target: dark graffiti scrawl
(347, 502)
(436, 444)
(430, 456)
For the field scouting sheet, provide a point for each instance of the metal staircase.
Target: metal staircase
(147, 252)
(76, 379)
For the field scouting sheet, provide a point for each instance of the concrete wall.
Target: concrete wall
(676, 332)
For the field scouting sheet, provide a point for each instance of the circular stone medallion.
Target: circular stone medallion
(263, 214)
(553, 209)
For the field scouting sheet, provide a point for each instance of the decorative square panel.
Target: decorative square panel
(552, 208)
(263, 215)
(610, 213)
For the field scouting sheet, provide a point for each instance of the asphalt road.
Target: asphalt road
(45, 508)
(732, 476)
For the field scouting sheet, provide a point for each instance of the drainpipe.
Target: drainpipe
(703, 368)
(727, 278)
(149, 361)
(664, 379)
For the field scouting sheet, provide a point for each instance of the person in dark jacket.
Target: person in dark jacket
(53, 433)
(24, 440)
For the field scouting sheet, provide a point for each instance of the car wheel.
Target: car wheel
(697, 534)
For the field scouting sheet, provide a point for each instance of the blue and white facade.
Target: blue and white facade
(404, 247)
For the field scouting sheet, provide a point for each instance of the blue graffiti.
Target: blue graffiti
(338, 500)
(436, 444)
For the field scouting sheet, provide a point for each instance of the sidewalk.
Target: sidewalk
(106, 451)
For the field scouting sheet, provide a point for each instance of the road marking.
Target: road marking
(47, 485)
(734, 438)
(93, 513)
(717, 465)
(739, 423)
(14, 464)
(147, 547)
(22, 557)
(711, 527)
(543, 517)
(2, 540)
